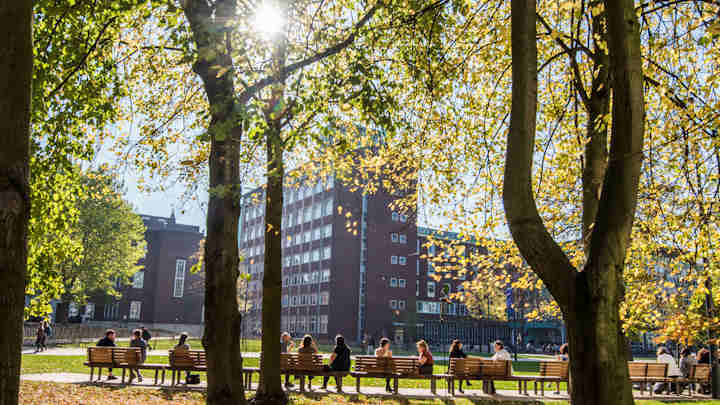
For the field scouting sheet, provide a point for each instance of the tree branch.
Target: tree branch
(82, 61)
(253, 89)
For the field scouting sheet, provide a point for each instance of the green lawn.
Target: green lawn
(42, 393)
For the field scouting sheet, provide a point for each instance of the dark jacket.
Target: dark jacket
(105, 342)
(142, 345)
(146, 335)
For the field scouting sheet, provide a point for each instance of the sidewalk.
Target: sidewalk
(413, 393)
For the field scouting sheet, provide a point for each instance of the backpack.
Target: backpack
(192, 379)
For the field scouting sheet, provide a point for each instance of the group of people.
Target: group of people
(140, 339)
(340, 357)
(44, 331)
(687, 360)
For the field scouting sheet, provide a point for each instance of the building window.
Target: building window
(401, 304)
(393, 304)
(135, 307)
(90, 311)
(313, 299)
(402, 283)
(307, 236)
(402, 260)
(403, 238)
(317, 233)
(323, 323)
(431, 289)
(179, 285)
(327, 207)
(393, 282)
(393, 260)
(138, 279)
(395, 216)
(317, 211)
(417, 288)
(307, 214)
(327, 253)
(313, 323)
(294, 301)
(325, 276)
(403, 218)
(324, 297)
(394, 237)
(327, 231)
(316, 255)
(306, 257)
(431, 269)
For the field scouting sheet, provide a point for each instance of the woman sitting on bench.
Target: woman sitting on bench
(339, 361)
(425, 359)
(384, 351)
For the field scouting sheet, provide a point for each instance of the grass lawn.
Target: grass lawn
(40, 393)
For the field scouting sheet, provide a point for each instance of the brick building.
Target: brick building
(164, 294)
(354, 266)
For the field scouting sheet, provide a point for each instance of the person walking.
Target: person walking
(425, 359)
(146, 336)
(286, 345)
(108, 341)
(456, 352)
(371, 344)
(339, 361)
(138, 341)
(40, 339)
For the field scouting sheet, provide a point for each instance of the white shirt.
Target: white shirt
(673, 369)
(502, 354)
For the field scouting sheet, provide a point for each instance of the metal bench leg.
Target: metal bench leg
(91, 373)
(156, 376)
(122, 380)
(99, 373)
(433, 389)
(542, 388)
(397, 386)
(339, 381)
(172, 384)
(302, 383)
(162, 382)
(357, 384)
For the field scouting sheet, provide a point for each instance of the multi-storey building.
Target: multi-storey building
(354, 266)
(164, 294)
(341, 249)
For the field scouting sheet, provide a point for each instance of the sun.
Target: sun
(268, 20)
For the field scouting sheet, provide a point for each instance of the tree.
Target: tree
(112, 237)
(16, 66)
(591, 306)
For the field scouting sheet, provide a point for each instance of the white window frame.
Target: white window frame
(393, 304)
(401, 304)
(402, 283)
(402, 260)
(395, 217)
(327, 253)
(393, 282)
(138, 280)
(135, 310)
(394, 237)
(431, 289)
(393, 259)
(402, 238)
(179, 281)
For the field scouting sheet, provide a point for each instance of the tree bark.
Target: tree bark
(16, 66)
(221, 337)
(590, 298)
(276, 114)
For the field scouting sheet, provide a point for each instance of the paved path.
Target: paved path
(414, 393)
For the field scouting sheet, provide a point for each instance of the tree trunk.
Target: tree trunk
(589, 298)
(276, 114)
(221, 337)
(16, 66)
(270, 390)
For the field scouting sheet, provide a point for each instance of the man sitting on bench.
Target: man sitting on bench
(108, 341)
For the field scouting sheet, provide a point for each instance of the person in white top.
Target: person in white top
(500, 354)
(664, 356)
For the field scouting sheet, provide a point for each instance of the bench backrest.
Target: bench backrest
(480, 367)
(372, 364)
(557, 369)
(182, 358)
(700, 372)
(300, 362)
(403, 365)
(638, 369)
(114, 355)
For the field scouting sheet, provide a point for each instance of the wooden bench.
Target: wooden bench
(391, 367)
(482, 369)
(699, 374)
(122, 358)
(646, 372)
(308, 365)
(185, 360)
(552, 372)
